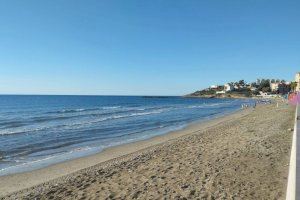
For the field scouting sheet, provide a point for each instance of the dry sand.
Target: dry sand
(241, 156)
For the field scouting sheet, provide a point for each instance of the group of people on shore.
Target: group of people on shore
(264, 101)
(245, 106)
(253, 105)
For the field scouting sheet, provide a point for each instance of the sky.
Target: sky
(142, 47)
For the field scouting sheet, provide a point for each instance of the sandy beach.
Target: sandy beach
(244, 155)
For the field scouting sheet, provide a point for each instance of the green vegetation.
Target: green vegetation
(243, 92)
(241, 89)
(204, 93)
(264, 85)
(293, 86)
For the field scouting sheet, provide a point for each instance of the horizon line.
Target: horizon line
(139, 95)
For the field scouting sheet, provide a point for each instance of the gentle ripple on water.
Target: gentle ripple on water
(36, 131)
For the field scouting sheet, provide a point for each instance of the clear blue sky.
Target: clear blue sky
(144, 47)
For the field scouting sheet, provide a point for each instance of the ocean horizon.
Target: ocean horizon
(39, 130)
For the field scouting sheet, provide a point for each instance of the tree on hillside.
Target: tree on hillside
(265, 83)
(253, 84)
(266, 89)
(293, 86)
(241, 82)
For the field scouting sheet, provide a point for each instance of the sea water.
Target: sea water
(37, 131)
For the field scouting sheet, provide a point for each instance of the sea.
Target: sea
(40, 130)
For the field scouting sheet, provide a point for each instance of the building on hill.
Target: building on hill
(253, 88)
(216, 87)
(284, 88)
(235, 86)
(258, 81)
(297, 79)
(220, 92)
(280, 88)
(228, 87)
(274, 87)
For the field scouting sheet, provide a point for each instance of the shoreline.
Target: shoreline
(20, 181)
(28, 168)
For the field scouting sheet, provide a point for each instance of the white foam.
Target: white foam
(110, 107)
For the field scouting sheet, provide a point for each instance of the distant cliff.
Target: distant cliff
(241, 89)
(209, 93)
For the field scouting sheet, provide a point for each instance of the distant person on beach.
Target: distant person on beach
(245, 106)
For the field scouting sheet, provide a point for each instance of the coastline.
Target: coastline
(220, 97)
(244, 155)
(19, 181)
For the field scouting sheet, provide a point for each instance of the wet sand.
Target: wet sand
(241, 156)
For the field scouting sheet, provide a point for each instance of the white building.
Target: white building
(228, 87)
(214, 87)
(297, 79)
(220, 92)
(253, 88)
(274, 86)
(236, 87)
(258, 81)
(263, 94)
